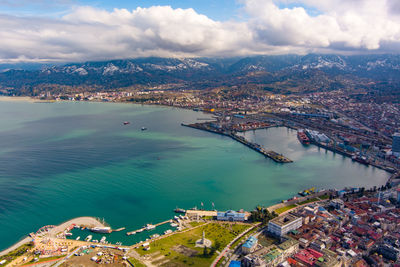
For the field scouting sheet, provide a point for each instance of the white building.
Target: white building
(281, 225)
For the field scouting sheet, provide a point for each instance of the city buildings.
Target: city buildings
(250, 245)
(281, 225)
(396, 143)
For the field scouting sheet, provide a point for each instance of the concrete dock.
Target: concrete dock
(267, 153)
(144, 228)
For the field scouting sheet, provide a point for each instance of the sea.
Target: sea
(68, 159)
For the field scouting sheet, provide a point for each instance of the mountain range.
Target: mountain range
(287, 73)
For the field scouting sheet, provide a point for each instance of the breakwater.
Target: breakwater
(267, 153)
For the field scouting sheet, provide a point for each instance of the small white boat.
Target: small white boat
(150, 227)
(168, 232)
(103, 239)
(68, 234)
(174, 225)
(88, 238)
(78, 238)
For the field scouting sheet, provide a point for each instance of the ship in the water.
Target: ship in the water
(303, 138)
(360, 159)
(126, 122)
(178, 210)
(102, 230)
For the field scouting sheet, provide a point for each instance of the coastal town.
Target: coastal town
(349, 227)
(346, 227)
(214, 133)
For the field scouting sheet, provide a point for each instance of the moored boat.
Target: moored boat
(150, 227)
(102, 230)
(179, 210)
(303, 138)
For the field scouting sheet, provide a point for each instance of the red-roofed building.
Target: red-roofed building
(308, 256)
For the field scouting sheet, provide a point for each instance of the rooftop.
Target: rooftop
(284, 220)
(251, 241)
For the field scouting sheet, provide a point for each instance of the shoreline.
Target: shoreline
(32, 100)
(85, 220)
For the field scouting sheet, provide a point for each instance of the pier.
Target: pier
(267, 153)
(144, 228)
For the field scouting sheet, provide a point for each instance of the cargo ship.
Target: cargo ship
(360, 159)
(303, 138)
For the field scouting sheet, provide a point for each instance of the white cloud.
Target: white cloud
(87, 33)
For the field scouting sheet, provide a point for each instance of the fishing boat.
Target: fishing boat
(88, 238)
(144, 129)
(126, 122)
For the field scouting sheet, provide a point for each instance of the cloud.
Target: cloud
(272, 27)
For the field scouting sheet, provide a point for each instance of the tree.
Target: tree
(205, 251)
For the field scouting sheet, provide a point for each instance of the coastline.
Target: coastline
(27, 239)
(88, 221)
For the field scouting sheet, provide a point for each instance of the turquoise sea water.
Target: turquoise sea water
(63, 160)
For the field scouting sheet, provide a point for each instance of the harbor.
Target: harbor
(124, 167)
(275, 156)
(148, 227)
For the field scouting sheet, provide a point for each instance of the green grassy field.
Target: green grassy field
(324, 197)
(179, 249)
(46, 259)
(283, 209)
(16, 253)
(136, 262)
(244, 237)
(308, 201)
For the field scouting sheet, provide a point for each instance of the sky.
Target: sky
(35, 31)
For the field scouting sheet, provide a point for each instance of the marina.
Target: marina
(148, 227)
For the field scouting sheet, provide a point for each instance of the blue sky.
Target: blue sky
(214, 9)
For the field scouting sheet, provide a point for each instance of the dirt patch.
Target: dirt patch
(188, 252)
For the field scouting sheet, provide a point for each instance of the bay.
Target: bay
(69, 159)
